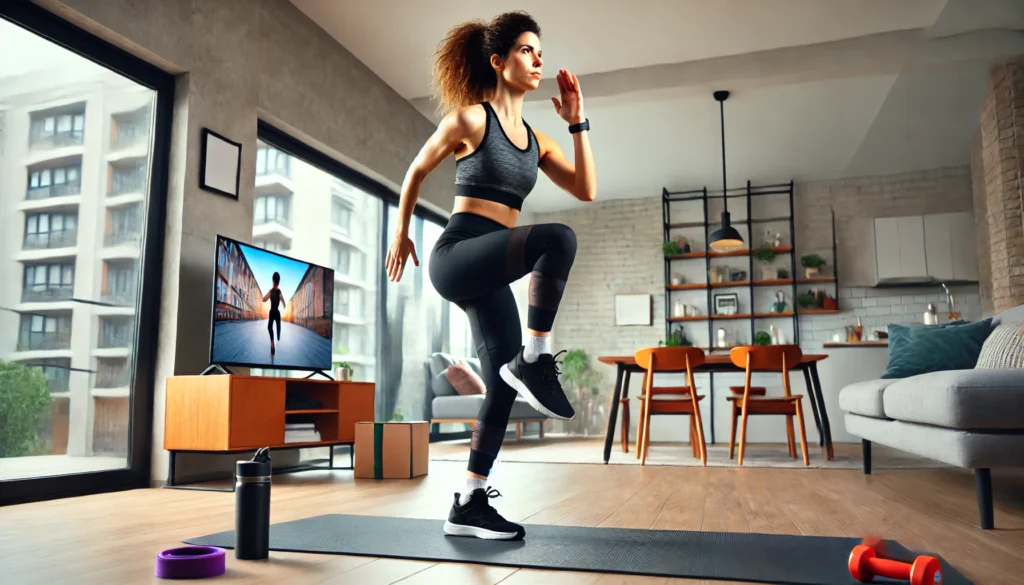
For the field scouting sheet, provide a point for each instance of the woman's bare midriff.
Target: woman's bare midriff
(492, 210)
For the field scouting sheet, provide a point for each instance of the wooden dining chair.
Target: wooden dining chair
(767, 358)
(686, 400)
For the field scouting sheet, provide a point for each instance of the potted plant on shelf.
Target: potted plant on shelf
(807, 300)
(766, 256)
(763, 338)
(671, 248)
(676, 339)
(343, 369)
(812, 264)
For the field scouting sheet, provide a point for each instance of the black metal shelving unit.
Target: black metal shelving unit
(793, 282)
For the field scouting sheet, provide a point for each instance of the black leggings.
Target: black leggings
(275, 317)
(472, 265)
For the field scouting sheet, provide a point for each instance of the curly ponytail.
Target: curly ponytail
(462, 63)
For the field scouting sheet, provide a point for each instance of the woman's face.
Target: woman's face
(523, 67)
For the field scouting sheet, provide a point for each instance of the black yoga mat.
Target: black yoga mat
(766, 558)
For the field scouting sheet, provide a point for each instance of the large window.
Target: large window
(343, 223)
(54, 179)
(69, 309)
(51, 230)
(309, 199)
(57, 127)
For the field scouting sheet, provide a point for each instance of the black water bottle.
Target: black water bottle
(252, 507)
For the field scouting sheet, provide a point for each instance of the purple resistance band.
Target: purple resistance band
(190, 562)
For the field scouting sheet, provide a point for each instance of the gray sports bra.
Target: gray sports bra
(498, 170)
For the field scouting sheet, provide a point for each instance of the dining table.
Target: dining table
(719, 363)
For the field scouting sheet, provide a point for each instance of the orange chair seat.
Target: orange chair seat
(754, 390)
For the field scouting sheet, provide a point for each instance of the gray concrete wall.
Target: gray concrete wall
(237, 61)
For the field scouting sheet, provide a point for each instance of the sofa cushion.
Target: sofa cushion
(468, 407)
(864, 398)
(440, 385)
(930, 348)
(1004, 347)
(961, 399)
(465, 381)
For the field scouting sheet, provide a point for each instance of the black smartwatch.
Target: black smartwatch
(585, 125)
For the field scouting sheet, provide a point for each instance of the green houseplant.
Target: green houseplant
(766, 256)
(671, 248)
(24, 400)
(762, 338)
(676, 339)
(812, 264)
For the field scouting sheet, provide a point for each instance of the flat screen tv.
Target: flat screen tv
(270, 310)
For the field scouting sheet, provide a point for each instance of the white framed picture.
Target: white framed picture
(220, 164)
(633, 309)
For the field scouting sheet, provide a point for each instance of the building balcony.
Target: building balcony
(119, 298)
(115, 379)
(116, 340)
(277, 230)
(51, 240)
(50, 191)
(44, 341)
(47, 295)
(125, 238)
(130, 136)
(56, 140)
(68, 202)
(125, 184)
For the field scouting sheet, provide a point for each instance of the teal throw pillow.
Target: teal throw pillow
(929, 348)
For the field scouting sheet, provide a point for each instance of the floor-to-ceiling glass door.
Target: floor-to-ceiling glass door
(84, 129)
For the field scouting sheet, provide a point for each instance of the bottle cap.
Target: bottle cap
(258, 466)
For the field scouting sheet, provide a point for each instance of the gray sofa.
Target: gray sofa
(444, 405)
(972, 419)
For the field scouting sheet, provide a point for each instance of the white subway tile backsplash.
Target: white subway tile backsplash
(870, 302)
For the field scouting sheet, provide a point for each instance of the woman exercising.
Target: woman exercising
(274, 296)
(482, 73)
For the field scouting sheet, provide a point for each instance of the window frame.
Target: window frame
(137, 472)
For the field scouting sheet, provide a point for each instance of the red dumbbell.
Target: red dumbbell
(864, 565)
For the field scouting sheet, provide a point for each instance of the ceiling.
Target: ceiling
(819, 89)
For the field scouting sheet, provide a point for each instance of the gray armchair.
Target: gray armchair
(444, 405)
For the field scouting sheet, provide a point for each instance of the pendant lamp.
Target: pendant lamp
(725, 237)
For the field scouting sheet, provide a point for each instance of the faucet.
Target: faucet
(953, 314)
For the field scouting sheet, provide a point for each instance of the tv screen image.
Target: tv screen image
(269, 310)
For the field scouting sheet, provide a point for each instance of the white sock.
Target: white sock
(472, 483)
(536, 345)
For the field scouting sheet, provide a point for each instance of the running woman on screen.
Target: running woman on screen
(482, 73)
(275, 298)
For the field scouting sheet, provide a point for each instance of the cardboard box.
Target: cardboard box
(392, 450)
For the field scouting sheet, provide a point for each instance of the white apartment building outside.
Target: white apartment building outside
(74, 157)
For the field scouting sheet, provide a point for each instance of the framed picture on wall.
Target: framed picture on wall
(220, 164)
(633, 309)
(727, 303)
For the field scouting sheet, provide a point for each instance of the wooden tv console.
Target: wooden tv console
(229, 413)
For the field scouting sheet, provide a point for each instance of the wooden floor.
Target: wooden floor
(113, 538)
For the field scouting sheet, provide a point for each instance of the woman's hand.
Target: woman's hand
(398, 253)
(571, 107)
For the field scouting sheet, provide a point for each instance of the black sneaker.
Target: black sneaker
(477, 518)
(538, 383)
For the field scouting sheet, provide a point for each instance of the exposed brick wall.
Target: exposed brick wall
(1002, 160)
(981, 226)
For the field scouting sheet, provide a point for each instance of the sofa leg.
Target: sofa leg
(865, 451)
(983, 481)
